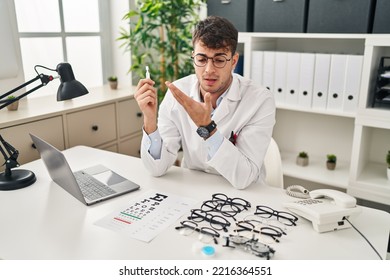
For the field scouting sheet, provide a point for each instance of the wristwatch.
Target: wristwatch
(205, 131)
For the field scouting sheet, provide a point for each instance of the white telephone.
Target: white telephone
(326, 209)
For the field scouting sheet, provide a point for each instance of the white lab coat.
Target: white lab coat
(247, 110)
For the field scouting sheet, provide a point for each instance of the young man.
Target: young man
(222, 121)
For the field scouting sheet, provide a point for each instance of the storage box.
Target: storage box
(239, 12)
(340, 16)
(381, 17)
(280, 16)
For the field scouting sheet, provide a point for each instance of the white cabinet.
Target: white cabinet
(130, 122)
(360, 138)
(92, 127)
(105, 119)
(18, 136)
(130, 118)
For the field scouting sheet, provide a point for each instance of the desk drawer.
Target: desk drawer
(92, 127)
(130, 117)
(131, 146)
(50, 130)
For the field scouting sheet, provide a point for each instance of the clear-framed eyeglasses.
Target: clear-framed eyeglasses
(219, 61)
(206, 234)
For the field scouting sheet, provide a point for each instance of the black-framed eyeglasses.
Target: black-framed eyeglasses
(219, 61)
(268, 231)
(217, 222)
(227, 207)
(284, 217)
(240, 203)
(225, 210)
(267, 223)
(189, 227)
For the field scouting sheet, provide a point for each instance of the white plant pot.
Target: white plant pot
(388, 174)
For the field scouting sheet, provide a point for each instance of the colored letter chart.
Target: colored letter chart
(146, 216)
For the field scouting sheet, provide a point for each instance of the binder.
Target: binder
(353, 75)
(257, 67)
(306, 78)
(292, 81)
(268, 69)
(321, 81)
(280, 76)
(336, 82)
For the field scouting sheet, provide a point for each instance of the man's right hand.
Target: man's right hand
(146, 97)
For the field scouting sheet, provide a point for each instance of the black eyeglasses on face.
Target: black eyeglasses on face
(219, 61)
(188, 227)
(216, 222)
(284, 217)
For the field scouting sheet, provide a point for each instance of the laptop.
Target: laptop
(90, 185)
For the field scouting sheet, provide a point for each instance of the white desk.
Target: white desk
(45, 222)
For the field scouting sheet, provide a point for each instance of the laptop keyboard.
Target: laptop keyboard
(92, 188)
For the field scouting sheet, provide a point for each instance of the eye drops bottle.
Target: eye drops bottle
(147, 73)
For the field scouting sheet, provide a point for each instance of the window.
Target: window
(51, 32)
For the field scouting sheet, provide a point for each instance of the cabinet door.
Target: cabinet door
(131, 146)
(51, 130)
(92, 127)
(130, 117)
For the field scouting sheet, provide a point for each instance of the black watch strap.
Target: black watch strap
(211, 126)
(205, 131)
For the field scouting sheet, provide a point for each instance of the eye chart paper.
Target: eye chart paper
(147, 215)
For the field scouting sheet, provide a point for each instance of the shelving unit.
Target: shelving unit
(360, 139)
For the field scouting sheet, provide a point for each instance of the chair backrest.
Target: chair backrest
(273, 165)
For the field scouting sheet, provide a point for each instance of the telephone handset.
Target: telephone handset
(327, 209)
(340, 198)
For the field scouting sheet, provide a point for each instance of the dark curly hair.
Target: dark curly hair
(216, 33)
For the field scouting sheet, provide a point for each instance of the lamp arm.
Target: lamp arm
(45, 79)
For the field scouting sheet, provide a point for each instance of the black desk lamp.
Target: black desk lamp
(68, 89)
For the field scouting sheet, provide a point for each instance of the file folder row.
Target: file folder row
(310, 80)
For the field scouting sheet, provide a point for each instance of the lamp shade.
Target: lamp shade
(69, 87)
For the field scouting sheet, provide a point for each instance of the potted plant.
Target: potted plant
(160, 37)
(302, 159)
(331, 161)
(13, 106)
(388, 164)
(113, 82)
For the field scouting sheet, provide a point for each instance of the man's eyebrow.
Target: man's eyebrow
(217, 54)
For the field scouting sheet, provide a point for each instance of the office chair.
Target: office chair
(273, 165)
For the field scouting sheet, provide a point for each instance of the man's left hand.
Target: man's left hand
(199, 112)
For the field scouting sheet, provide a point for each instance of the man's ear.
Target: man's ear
(235, 58)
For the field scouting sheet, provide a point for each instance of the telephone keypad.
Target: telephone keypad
(309, 201)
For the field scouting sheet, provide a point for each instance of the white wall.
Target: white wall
(121, 59)
(11, 69)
